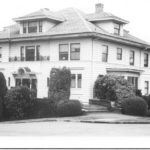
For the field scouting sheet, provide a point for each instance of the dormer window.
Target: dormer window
(32, 27)
(116, 29)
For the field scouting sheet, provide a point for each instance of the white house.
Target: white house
(89, 44)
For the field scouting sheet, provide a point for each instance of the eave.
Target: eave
(99, 36)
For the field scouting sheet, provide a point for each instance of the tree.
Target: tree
(60, 82)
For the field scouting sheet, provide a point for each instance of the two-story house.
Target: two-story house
(89, 44)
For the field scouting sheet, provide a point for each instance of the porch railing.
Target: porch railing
(41, 58)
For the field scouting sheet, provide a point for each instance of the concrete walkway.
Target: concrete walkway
(102, 117)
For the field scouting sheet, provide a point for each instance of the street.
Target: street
(73, 129)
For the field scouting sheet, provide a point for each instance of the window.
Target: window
(73, 81)
(131, 57)
(105, 53)
(134, 81)
(30, 53)
(25, 26)
(117, 29)
(32, 27)
(40, 26)
(145, 60)
(22, 53)
(146, 88)
(119, 53)
(75, 51)
(76, 80)
(63, 51)
(37, 52)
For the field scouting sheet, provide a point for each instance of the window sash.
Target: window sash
(32, 27)
(119, 53)
(145, 60)
(40, 26)
(73, 81)
(75, 51)
(105, 53)
(131, 57)
(63, 51)
(146, 87)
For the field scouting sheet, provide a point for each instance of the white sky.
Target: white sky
(137, 12)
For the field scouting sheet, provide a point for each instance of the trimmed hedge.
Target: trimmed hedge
(147, 99)
(134, 106)
(69, 108)
(43, 108)
(60, 82)
(18, 102)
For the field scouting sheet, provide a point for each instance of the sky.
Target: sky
(137, 12)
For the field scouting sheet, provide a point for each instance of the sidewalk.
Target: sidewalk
(102, 117)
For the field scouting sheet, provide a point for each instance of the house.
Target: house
(89, 44)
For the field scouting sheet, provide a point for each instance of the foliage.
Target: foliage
(69, 108)
(138, 93)
(113, 88)
(42, 108)
(134, 106)
(147, 99)
(3, 91)
(18, 102)
(60, 82)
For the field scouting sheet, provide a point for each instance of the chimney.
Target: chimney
(99, 8)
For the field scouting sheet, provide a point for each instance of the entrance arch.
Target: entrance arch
(25, 77)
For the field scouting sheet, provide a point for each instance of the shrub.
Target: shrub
(114, 88)
(134, 106)
(69, 108)
(3, 91)
(18, 102)
(147, 99)
(60, 82)
(42, 108)
(138, 93)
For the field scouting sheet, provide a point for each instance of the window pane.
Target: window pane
(105, 53)
(38, 52)
(131, 57)
(73, 81)
(79, 80)
(63, 51)
(119, 53)
(40, 26)
(146, 87)
(145, 60)
(22, 53)
(32, 27)
(75, 51)
(30, 53)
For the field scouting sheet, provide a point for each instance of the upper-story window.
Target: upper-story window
(132, 58)
(105, 53)
(63, 51)
(69, 51)
(119, 53)
(75, 51)
(146, 60)
(116, 29)
(32, 27)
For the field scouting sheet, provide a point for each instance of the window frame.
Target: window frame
(63, 52)
(71, 52)
(119, 55)
(146, 61)
(132, 57)
(105, 54)
(77, 83)
(117, 28)
(147, 88)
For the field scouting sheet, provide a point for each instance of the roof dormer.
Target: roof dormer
(39, 21)
(107, 21)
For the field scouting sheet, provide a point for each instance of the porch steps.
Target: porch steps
(94, 108)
